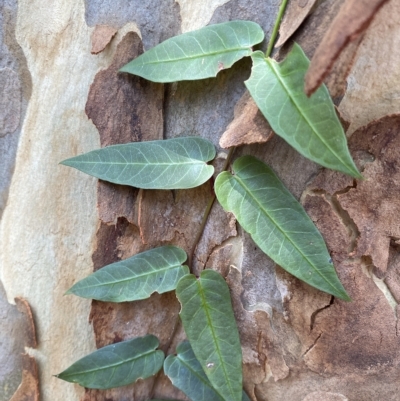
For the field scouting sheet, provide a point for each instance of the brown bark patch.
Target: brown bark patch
(124, 108)
(374, 205)
(30, 331)
(101, 37)
(248, 126)
(369, 209)
(29, 387)
(344, 345)
(336, 234)
(296, 12)
(324, 396)
(353, 19)
(177, 218)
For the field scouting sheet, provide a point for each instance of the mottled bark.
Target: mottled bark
(62, 95)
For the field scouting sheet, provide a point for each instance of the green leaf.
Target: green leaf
(117, 364)
(156, 270)
(171, 164)
(210, 326)
(197, 54)
(277, 223)
(309, 124)
(186, 373)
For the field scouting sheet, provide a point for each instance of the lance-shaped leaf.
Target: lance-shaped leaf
(117, 364)
(210, 326)
(186, 373)
(156, 270)
(277, 223)
(309, 124)
(197, 54)
(171, 164)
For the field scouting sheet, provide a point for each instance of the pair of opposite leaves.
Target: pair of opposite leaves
(210, 369)
(260, 202)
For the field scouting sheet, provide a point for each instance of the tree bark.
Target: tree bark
(60, 97)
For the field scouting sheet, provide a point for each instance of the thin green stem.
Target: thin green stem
(272, 40)
(207, 212)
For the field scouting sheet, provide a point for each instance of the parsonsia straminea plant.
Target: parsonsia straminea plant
(209, 366)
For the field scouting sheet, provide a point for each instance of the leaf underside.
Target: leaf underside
(277, 223)
(309, 124)
(186, 373)
(156, 270)
(177, 163)
(117, 364)
(197, 54)
(210, 326)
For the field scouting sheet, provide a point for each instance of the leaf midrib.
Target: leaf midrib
(138, 164)
(276, 72)
(261, 207)
(139, 276)
(110, 366)
(205, 305)
(212, 54)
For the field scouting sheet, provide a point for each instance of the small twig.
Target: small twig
(207, 213)
(276, 28)
(167, 348)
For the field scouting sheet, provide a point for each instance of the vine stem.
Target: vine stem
(272, 40)
(207, 212)
(213, 197)
(196, 242)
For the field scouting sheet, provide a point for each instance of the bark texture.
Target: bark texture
(61, 95)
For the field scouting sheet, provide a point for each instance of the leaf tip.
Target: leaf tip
(344, 296)
(124, 68)
(69, 291)
(67, 162)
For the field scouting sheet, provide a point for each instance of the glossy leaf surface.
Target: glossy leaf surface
(117, 364)
(171, 164)
(277, 223)
(186, 373)
(197, 54)
(210, 326)
(309, 124)
(156, 270)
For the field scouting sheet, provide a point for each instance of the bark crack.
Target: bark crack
(368, 269)
(312, 345)
(316, 312)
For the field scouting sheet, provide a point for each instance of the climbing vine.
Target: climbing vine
(209, 365)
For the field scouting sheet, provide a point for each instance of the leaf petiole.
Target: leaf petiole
(274, 34)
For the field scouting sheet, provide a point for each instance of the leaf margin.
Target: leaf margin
(152, 344)
(226, 177)
(197, 36)
(297, 57)
(207, 278)
(159, 252)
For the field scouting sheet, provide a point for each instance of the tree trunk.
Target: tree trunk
(57, 225)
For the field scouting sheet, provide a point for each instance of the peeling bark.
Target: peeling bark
(29, 388)
(298, 343)
(352, 20)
